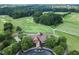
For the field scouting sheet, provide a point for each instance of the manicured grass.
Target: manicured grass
(72, 40)
(70, 29)
(26, 23)
(70, 25)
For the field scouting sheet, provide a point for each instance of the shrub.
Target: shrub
(1, 37)
(8, 27)
(62, 41)
(26, 43)
(1, 45)
(20, 32)
(74, 52)
(6, 37)
(50, 42)
(6, 43)
(7, 50)
(15, 47)
(64, 45)
(58, 50)
(18, 29)
(12, 49)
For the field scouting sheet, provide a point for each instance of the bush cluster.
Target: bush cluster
(74, 52)
(49, 19)
(12, 49)
(26, 43)
(57, 45)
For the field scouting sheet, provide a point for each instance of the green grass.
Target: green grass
(72, 40)
(26, 23)
(71, 24)
(70, 29)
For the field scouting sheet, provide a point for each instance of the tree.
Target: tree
(8, 27)
(16, 47)
(37, 14)
(6, 42)
(2, 37)
(8, 30)
(50, 42)
(11, 49)
(45, 19)
(36, 19)
(18, 13)
(49, 19)
(57, 19)
(62, 41)
(7, 51)
(2, 46)
(58, 50)
(26, 43)
(18, 29)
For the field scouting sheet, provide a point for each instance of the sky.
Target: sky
(39, 2)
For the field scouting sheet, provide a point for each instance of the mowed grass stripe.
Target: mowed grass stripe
(69, 26)
(27, 24)
(70, 29)
(72, 40)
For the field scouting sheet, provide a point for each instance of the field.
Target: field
(72, 40)
(26, 23)
(69, 29)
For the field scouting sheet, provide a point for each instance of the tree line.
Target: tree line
(22, 11)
